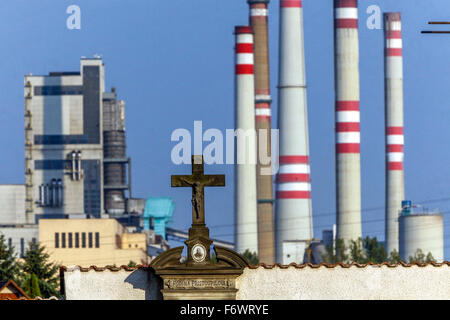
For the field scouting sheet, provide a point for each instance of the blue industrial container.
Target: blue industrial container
(161, 211)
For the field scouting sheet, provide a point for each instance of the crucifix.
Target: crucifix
(198, 181)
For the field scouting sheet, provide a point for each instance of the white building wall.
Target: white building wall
(12, 204)
(20, 234)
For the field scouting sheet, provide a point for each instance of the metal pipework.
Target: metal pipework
(74, 166)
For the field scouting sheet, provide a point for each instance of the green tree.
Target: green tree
(9, 268)
(420, 257)
(132, 264)
(375, 252)
(357, 252)
(360, 251)
(394, 257)
(31, 286)
(430, 258)
(251, 257)
(336, 254)
(36, 261)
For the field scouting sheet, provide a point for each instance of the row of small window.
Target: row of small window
(73, 240)
(22, 245)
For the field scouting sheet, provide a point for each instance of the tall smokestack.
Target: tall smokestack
(348, 166)
(294, 213)
(266, 234)
(395, 183)
(246, 232)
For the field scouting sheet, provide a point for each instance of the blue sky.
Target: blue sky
(172, 61)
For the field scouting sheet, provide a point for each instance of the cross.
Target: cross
(198, 181)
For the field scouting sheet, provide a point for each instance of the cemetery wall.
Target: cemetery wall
(278, 282)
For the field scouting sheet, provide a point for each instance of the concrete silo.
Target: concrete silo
(423, 231)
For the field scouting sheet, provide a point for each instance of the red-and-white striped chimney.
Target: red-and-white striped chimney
(348, 166)
(293, 196)
(395, 183)
(259, 20)
(246, 230)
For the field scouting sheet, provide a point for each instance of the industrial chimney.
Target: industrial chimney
(293, 196)
(348, 166)
(266, 234)
(395, 183)
(246, 235)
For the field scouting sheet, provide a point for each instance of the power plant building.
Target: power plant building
(75, 153)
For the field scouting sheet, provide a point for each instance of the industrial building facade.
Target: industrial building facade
(75, 153)
(65, 145)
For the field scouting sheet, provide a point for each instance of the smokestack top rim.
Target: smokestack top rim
(346, 3)
(393, 16)
(243, 30)
(291, 4)
(250, 2)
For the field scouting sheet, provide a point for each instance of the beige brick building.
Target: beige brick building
(87, 242)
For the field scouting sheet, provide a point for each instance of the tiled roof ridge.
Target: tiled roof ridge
(36, 298)
(108, 267)
(276, 265)
(349, 265)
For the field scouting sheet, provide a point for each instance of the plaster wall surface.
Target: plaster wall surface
(287, 283)
(139, 284)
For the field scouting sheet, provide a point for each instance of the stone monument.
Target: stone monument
(199, 277)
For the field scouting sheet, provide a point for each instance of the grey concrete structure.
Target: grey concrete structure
(395, 181)
(348, 166)
(293, 197)
(421, 231)
(12, 204)
(246, 228)
(114, 153)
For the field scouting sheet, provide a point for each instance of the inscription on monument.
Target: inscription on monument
(199, 284)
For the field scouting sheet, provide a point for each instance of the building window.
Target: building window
(10, 243)
(90, 239)
(70, 240)
(77, 239)
(63, 240)
(83, 240)
(58, 90)
(33, 240)
(22, 247)
(56, 240)
(97, 240)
